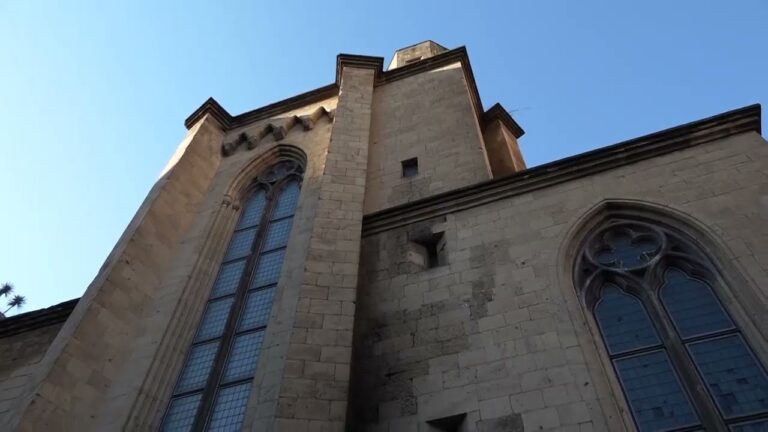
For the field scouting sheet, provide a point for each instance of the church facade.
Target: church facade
(374, 255)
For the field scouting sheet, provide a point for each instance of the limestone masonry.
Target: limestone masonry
(374, 255)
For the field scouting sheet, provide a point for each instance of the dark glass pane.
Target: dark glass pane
(253, 210)
(286, 202)
(754, 426)
(244, 356)
(181, 413)
(623, 321)
(197, 368)
(734, 377)
(257, 307)
(654, 393)
(240, 245)
(693, 306)
(268, 268)
(228, 278)
(277, 234)
(229, 408)
(214, 319)
(623, 251)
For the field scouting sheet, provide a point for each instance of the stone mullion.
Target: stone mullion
(315, 383)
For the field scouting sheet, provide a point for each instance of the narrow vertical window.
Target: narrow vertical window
(679, 357)
(214, 385)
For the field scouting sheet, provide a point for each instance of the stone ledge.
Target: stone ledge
(746, 119)
(229, 121)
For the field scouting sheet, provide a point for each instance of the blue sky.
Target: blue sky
(93, 95)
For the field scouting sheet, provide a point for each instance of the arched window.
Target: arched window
(215, 382)
(682, 361)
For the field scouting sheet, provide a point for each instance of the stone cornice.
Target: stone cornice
(230, 122)
(359, 62)
(212, 107)
(278, 130)
(730, 123)
(497, 112)
(36, 319)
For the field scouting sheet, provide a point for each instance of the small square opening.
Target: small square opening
(410, 167)
(434, 250)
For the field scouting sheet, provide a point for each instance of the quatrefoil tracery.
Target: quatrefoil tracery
(625, 246)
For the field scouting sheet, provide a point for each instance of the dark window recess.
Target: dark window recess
(431, 249)
(413, 60)
(410, 167)
(448, 424)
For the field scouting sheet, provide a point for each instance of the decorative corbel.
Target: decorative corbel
(229, 148)
(278, 132)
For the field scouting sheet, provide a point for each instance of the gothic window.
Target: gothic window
(215, 381)
(681, 360)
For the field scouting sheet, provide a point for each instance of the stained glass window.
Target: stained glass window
(214, 319)
(692, 305)
(691, 370)
(198, 366)
(735, 379)
(623, 321)
(229, 408)
(244, 356)
(181, 413)
(215, 381)
(256, 310)
(655, 395)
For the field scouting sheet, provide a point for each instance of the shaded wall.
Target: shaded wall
(498, 333)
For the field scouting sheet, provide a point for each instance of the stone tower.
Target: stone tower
(375, 255)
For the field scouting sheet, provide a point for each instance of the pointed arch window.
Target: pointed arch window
(213, 387)
(681, 360)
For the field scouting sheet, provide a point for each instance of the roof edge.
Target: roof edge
(460, 54)
(360, 62)
(230, 122)
(37, 318)
(497, 112)
(210, 106)
(741, 120)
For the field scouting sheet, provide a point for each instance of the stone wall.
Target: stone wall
(91, 352)
(19, 356)
(498, 332)
(199, 255)
(428, 116)
(315, 371)
(117, 357)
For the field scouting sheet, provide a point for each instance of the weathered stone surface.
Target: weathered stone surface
(364, 334)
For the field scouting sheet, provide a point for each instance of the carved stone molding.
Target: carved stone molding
(278, 131)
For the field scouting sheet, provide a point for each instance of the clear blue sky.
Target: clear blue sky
(93, 95)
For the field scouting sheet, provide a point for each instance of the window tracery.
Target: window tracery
(680, 359)
(215, 381)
